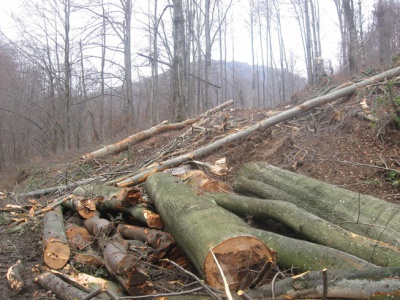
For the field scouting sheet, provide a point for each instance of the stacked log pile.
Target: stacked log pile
(346, 244)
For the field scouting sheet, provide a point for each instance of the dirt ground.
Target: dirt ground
(330, 143)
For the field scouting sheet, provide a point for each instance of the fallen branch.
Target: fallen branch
(142, 175)
(349, 284)
(136, 138)
(314, 228)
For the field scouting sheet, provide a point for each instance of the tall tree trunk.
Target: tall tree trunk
(67, 76)
(207, 67)
(130, 113)
(348, 8)
(179, 86)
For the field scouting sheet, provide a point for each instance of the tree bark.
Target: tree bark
(136, 138)
(83, 206)
(312, 227)
(362, 214)
(141, 214)
(202, 228)
(266, 123)
(382, 283)
(125, 267)
(304, 256)
(152, 237)
(56, 251)
(14, 276)
(60, 288)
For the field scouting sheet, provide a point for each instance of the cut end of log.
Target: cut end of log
(153, 220)
(78, 237)
(56, 254)
(241, 258)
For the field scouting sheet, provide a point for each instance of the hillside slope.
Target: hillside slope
(331, 143)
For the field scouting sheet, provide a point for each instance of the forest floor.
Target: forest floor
(329, 143)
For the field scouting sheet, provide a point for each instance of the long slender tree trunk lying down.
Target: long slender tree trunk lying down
(123, 266)
(83, 206)
(56, 251)
(304, 256)
(362, 214)
(202, 229)
(314, 228)
(60, 288)
(382, 283)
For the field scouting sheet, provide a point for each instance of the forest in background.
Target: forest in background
(84, 72)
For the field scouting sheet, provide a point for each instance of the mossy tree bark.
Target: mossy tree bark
(312, 227)
(362, 214)
(201, 227)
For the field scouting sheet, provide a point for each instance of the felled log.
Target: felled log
(113, 198)
(59, 287)
(382, 283)
(155, 238)
(78, 237)
(356, 212)
(203, 183)
(88, 258)
(85, 207)
(314, 228)
(56, 251)
(123, 266)
(266, 123)
(126, 200)
(201, 227)
(14, 276)
(304, 256)
(135, 138)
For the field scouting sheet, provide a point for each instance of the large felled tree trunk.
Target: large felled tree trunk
(314, 228)
(202, 229)
(362, 214)
(383, 283)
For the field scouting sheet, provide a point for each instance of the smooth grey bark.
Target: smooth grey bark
(359, 213)
(312, 227)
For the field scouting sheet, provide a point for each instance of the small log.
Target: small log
(14, 276)
(59, 287)
(155, 238)
(78, 237)
(125, 267)
(200, 226)
(136, 138)
(203, 183)
(312, 227)
(356, 212)
(304, 256)
(142, 175)
(382, 283)
(83, 206)
(141, 214)
(56, 251)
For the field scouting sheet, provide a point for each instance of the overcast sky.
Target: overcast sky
(329, 30)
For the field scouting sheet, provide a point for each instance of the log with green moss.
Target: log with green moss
(203, 228)
(312, 227)
(56, 250)
(356, 212)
